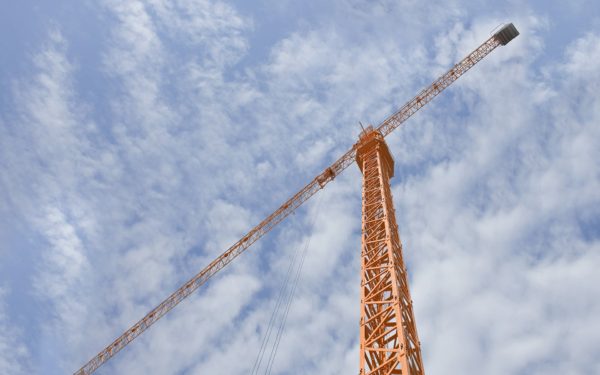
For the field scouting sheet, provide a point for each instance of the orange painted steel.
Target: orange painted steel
(388, 334)
(500, 38)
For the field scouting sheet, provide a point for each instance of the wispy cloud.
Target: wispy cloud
(47, 155)
(496, 190)
(497, 222)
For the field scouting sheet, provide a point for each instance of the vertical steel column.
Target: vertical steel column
(388, 335)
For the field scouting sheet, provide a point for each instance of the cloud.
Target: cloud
(494, 224)
(47, 155)
(496, 190)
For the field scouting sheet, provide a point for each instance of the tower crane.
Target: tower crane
(388, 335)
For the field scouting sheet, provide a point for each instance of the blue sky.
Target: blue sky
(140, 139)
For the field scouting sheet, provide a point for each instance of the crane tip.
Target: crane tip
(506, 34)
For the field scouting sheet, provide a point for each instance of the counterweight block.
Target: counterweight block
(506, 34)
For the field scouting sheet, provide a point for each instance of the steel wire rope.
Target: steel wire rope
(285, 315)
(290, 298)
(280, 299)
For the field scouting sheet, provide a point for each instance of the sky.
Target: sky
(140, 139)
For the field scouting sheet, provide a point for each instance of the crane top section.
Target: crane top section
(368, 140)
(506, 34)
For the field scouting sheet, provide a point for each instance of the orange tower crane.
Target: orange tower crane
(389, 344)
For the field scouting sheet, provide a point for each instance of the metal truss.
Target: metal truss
(388, 334)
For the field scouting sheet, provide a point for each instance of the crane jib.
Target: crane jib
(502, 37)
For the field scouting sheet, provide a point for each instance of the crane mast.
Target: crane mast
(502, 37)
(388, 333)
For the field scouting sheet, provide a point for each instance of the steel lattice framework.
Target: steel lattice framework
(502, 37)
(388, 334)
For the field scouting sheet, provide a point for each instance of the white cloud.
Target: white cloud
(197, 146)
(47, 156)
(494, 227)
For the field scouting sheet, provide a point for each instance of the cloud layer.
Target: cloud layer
(123, 179)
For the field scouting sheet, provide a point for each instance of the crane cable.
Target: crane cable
(284, 299)
(292, 292)
(274, 314)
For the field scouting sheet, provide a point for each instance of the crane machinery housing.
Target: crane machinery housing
(389, 344)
